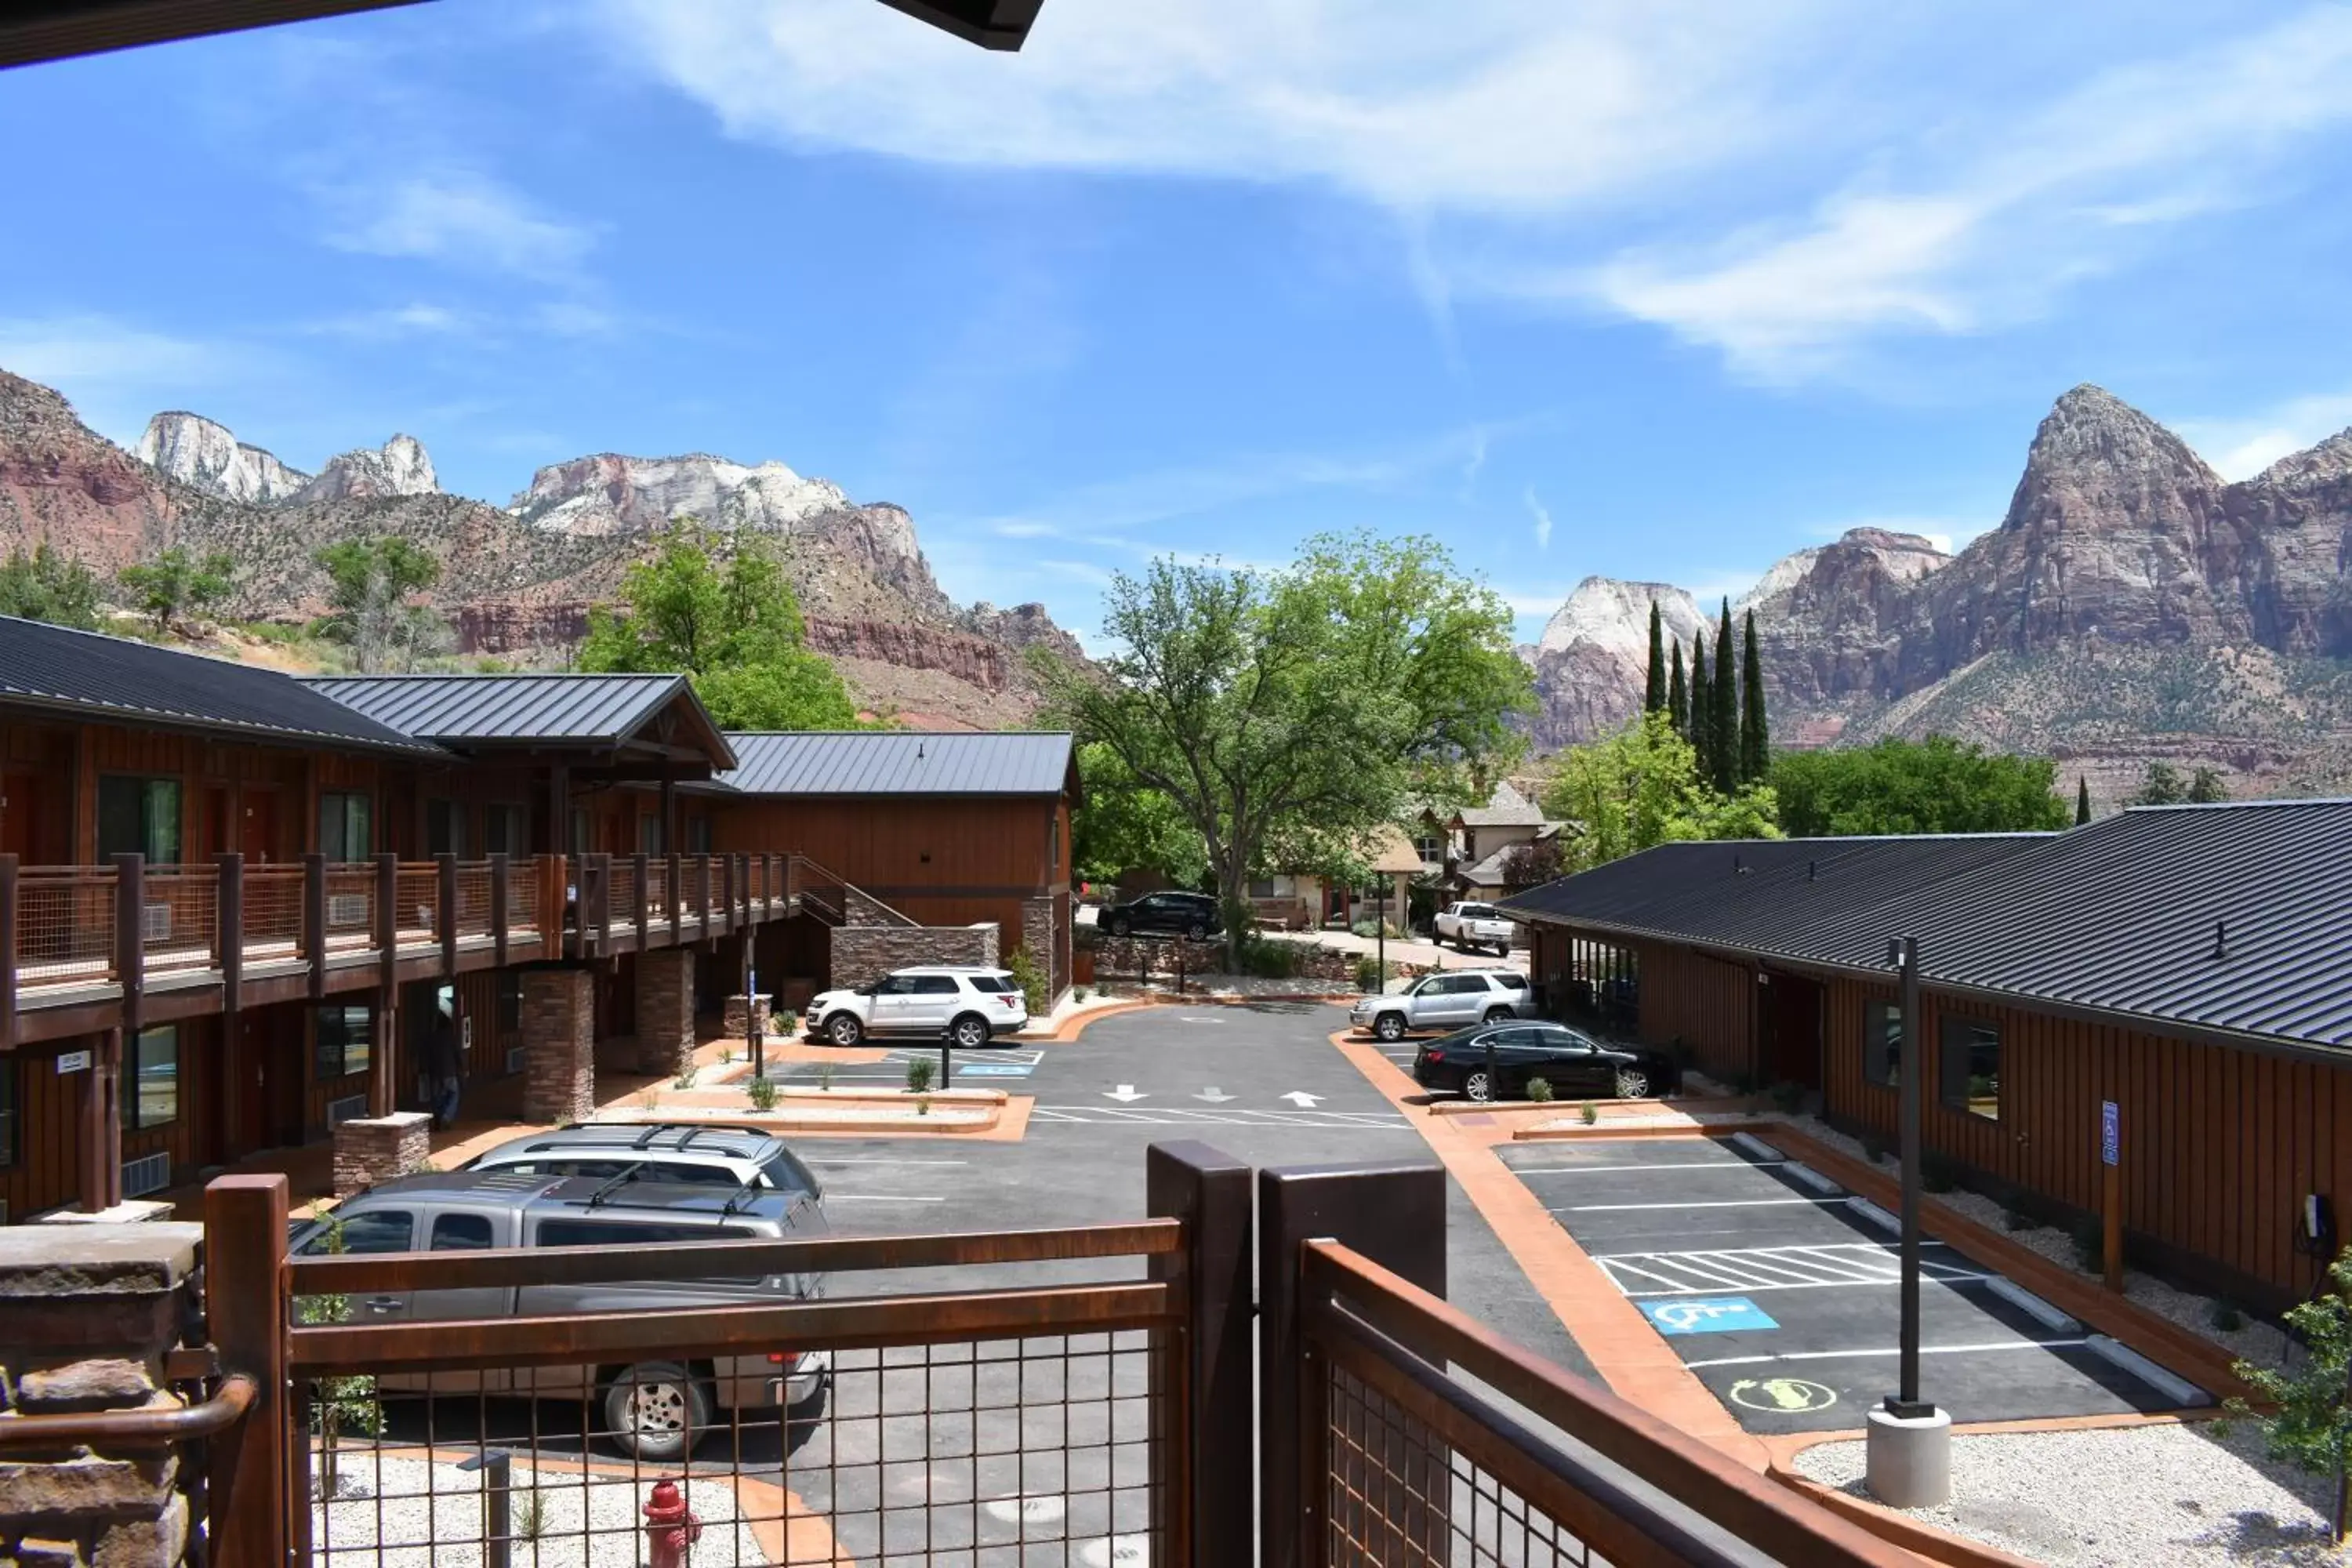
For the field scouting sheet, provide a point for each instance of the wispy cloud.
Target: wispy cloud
(2241, 446)
(458, 216)
(1542, 514)
(118, 373)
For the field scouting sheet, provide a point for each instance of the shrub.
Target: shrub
(1592, 1113)
(1367, 975)
(922, 1105)
(1539, 1089)
(2090, 1238)
(1032, 981)
(2223, 1314)
(1268, 959)
(1874, 1148)
(686, 1076)
(919, 1075)
(530, 1515)
(1079, 993)
(1939, 1173)
(2308, 1423)
(2013, 1215)
(1789, 1095)
(761, 1092)
(823, 1078)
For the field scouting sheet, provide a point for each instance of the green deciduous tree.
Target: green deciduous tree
(1679, 696)
(1722, 712)
(48, 586)
(1754, 729)
(733, 626)
(1290, 714)
(2160, 785)
(1120, 826)
(1935, 785)
(1654, 698)
(370, 583)
(1642, 787)
(2082, 800)
(2206, 786)
(2305, 1414)
(176, 584)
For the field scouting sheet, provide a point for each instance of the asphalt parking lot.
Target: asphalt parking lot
(1785, 1301)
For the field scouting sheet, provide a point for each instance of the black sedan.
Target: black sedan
(1163, 914)
(1577, 1066)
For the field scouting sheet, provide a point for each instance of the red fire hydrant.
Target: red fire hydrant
(670, 1529)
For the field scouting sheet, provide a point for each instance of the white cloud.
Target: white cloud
(456, 216)
(1537, 510)
(115, 374)
(2240, 447)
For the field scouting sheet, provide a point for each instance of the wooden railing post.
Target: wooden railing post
(314, 922)
(252, 1475)
(387, 919)
(674, 895)
(702, 896)
(130, 936)
(596, 902)
(7, 951)
(383, 1066)
(554, 878)
(1394, 1215)
(500, 909)
(229, 940)
(640, 864)
(727, 892)
(446, 912)
(1201, 1457)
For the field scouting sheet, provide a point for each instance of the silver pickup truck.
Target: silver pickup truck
(654, 1410)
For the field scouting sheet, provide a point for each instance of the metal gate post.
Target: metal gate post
(1203, 1462)
(1393, 1214)
(254, 1464)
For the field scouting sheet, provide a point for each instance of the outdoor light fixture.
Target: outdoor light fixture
(1908, 1455)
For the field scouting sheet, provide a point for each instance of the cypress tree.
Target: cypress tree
(2082, 800)
(1702, 707)
(1654, 698)
(1678, 695)
(1723, 717)
(1754, 729)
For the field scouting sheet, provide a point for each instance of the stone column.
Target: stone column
(559, 1045)
(87, 1314)
(664, 1010)
(372, 1150)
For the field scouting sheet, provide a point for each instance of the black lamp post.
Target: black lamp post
(1903, 953)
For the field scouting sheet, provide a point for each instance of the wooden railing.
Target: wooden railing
(629, 902)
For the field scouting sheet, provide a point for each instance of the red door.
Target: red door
(257, 835)
(20, 798)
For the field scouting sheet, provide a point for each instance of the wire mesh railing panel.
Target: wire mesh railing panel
(351, 904)
(986, 1454)
(272, 911)
(65, 927)
(416, 905)
(621, 897)
(474, 912)
(1399, 1496)
(522, 894)
(657, 890)
(179, 917)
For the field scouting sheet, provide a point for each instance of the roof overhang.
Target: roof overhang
(34, 30)
(38, 707)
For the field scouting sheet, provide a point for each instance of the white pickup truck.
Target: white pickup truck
(1474, 925)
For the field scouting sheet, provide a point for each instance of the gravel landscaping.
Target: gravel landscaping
(2157, 1495)
(409, 1513)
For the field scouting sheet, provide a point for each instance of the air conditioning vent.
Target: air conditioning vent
(147, 1174)
(350, 1108)
(514, 1059)
(347, 909)
(156, 923)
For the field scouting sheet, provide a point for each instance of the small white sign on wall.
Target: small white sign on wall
(72, 1061)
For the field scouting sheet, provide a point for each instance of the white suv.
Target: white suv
(970, 1005)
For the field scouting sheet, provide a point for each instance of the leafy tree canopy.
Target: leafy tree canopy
(1122, 825)
(1291, 714)
(48, 586)
(2163, 785)
(1934, 785)
(733, 626)
(176, 584)
(369, 582)
(1642, 787)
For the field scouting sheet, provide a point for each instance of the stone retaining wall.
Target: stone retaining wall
(372, 1150)
(861, 953)
(559, 1046)
(665, 1040)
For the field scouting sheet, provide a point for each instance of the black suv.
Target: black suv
(1175, 913)
(1577, 1066)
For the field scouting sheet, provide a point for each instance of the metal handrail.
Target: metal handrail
(134, 1428)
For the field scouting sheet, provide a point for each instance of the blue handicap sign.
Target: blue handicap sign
(993, 1069)
(1706, 1315)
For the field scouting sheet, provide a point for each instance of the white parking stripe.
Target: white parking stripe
(1891, 1350)
(878, 1198)
(1724, 1204)
(1619, 1170)
(1749, 1290)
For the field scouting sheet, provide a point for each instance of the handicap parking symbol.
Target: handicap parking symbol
(1706, 1315)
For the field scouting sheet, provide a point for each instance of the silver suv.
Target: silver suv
(655, 1409)
(1444, 1001)
(693, 1154)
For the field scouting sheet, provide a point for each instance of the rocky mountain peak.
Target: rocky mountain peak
(2096, 460)
(203, 453)
(1615, 615)
(611, 493)
(401, 467)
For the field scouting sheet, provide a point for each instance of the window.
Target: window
(152, 1096)
(621, 1233)
(698, 835)
(1430, 847)
(506, 830)
(649, 833)
(1882, 1044)
(993, 985)
(461, 1233)
(139, 817)
(1053, 847)
(1970, 1053)
(370, 1230)
(343, 1035)
(510, 1001)
(345, 828)
(445, 828)
(579, 831)
(935, 985)
(787, 1175)
(1261, 887)
(7, 1113)
(895, 985)
(1510, 981)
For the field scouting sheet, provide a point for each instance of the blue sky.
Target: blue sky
(1646, 288)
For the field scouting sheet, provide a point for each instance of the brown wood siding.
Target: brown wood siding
(1707, 1003)
(48, 1137)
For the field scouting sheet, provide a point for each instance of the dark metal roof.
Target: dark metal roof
(36, 30)
(89, 675)
(528, 709)
(2119, 917)
(895, 762)
(990, 24)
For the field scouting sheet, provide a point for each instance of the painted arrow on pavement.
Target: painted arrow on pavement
(1301, 1099)
(1214, 1094)
(1125, 1093)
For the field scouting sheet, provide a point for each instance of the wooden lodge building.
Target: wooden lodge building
(2189, 964)
(233, 902)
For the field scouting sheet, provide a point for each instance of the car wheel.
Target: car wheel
(655, 1410)
(1633, 1083)
(1119, 926)
(1477, 1086)
(969, 1032)
(843, 1030)
(1197, 931)
(1498, 1014)
(1389, 1027)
